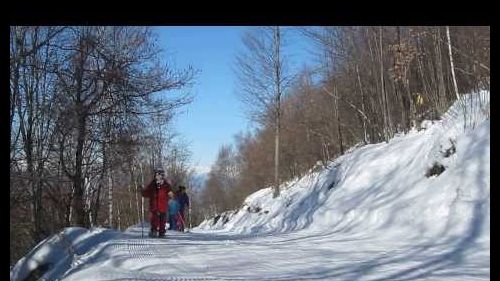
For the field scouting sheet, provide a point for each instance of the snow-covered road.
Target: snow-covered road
(302, 255)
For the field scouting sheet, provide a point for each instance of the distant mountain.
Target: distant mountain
(198, 180)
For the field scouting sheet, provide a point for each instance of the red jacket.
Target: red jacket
(158, 197)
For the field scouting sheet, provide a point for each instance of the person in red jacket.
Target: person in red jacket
(157, 192)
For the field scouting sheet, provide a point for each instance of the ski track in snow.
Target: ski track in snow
(291, 256)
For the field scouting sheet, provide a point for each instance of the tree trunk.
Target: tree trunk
(142, 198)
(377, 128)
(451, 63)
(110, 199)
(69, 209)
(382, 88)
(81, 117)
(119, 216)
(277, 78)
(453, 72)
(88, 202)
(97, 203)
(442, 100)
(79, 200)
(138, 210)
(365, 135)
(337, 115)
(14, 93)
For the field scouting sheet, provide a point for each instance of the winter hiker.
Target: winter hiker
(173, 211)
(157, 191)
(183, 200)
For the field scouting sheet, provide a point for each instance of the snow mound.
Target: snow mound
(60, 252)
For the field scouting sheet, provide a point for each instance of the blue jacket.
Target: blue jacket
(173, 207)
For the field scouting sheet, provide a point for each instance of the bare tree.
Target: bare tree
(32, 98)
(263, 79)
(455, 87)
(439, 71)
(80, 98)
(110, 71)
(454, 79)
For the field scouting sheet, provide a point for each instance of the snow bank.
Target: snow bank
(385, 188)
(60, 252)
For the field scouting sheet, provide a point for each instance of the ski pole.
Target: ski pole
(190, 202)
(182, 220)
(142, 204)
(158, 205)
(189, 211)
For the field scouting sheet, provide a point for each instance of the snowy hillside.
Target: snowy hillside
(375, 213)
(383, 187)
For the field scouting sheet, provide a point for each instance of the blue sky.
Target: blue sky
(216, 115)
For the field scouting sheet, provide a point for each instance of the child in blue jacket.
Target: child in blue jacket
(173, 210)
